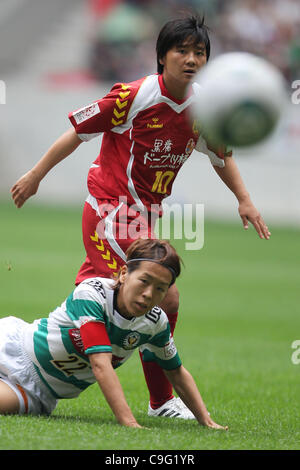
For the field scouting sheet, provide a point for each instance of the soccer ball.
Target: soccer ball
(239, 99)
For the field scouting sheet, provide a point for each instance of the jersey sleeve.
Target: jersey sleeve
(86, 306)
(95, 338)
(104, 114)
(216, 154)
(161, 349)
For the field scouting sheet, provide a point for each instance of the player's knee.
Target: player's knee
(9, 402)
(170, 303)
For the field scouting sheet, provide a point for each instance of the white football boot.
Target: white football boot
(174, 408)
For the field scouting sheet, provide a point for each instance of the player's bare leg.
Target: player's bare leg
(9, 402)
(170, 303)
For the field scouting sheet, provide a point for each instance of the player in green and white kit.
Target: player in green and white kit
(95, 330)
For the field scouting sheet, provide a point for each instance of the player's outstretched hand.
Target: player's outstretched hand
(135, 425)
(249, 213)
(211, 424)
(25, 187)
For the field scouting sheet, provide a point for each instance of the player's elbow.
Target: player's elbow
(101, 363)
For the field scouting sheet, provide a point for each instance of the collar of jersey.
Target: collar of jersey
(115, 308)
(165, 92)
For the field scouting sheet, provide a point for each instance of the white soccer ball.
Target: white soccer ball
(240, 99)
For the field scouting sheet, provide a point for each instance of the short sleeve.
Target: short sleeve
(95, 338)
(104, 114)
(86, 307)
(162, 349)
(86, 303)
(216, 154)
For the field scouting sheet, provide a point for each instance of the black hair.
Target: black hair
(176, 31)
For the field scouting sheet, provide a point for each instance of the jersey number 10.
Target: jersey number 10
(161, 182)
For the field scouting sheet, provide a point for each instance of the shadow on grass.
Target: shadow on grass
(148, 422)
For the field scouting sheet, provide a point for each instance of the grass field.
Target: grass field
(239, 314)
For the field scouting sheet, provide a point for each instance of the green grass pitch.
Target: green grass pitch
(239, 314)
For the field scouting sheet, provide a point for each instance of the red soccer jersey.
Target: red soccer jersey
(148, 135)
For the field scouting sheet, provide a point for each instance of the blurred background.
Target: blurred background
(58, 56)
(240, 295)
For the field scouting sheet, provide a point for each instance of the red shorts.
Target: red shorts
(108, 228)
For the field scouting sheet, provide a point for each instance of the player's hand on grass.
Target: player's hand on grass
(249, 213)
(25, 187)
(134, 425)
(211, 424)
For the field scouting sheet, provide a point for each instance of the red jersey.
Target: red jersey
(147, 137)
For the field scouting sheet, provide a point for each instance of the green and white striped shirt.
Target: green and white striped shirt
(56, 347)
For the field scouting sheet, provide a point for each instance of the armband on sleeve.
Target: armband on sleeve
(94, 337)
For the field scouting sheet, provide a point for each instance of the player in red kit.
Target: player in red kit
(147, 137)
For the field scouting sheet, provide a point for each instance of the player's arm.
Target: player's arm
(28, 184)
(186, 388)
(112, 389)
(230, 175)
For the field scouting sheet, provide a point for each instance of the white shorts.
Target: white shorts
(18, 371)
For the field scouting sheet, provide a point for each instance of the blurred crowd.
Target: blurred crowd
(123, 33)
(269, 28)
